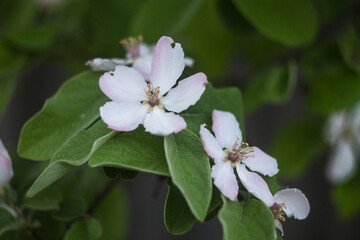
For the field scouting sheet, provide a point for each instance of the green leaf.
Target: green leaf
(48, 199)
(89, 229)
(274, 85)
(225, 99)
(349, 44)
(190, 171)
(75, 152)
(291, 22)
(335, 89)
(296, 145)
(113, 214)
(74, 107)
(135, 150)
(246, 221)
(162, 17)
(33, 39)
(71, 208)
(347, 197)
(177, 215)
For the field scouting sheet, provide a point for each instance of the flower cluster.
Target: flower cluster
(343, 134)
(145, 94)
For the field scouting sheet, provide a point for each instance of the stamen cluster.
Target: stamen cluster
(131, 44)
(240, 151)
(152, 94)
(277, 211)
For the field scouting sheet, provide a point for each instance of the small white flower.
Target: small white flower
(228, 152)
(290, 201)
(343, 133)
(6, 171)
(131, 106)
(138, 54)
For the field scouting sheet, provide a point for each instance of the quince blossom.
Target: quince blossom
(6, 171)
(131, 106)
(343, 133)
(138, 54)
(228, 152)
(290, 202)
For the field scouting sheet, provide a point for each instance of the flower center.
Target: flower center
(131, 45)
(277, 211)
(239, 152)
(152, 94)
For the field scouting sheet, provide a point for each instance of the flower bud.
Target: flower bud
(6, 171)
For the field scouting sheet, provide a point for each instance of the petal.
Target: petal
(342, 164)
(105, 64)
(125, 84)
(145, 50)
(167, 64)
(261, 162)
(335, 126)
(6, 171)
(278, 225)
(295, 201)
(189, 62)
(226, 128)
(162, 123)
(255, 184)
(211, 145)
(143, 65)
(123, 116)
(225, 180)
(186, 93)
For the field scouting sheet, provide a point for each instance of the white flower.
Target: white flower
(228, 152)
(290, 201)
(343, 133)
(131, 106)
(6, 171)
(138, 54)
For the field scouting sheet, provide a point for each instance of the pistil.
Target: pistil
(239, 151)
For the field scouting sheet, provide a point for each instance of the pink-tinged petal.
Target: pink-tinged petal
(342, 164)
(255, 185)
(6, 171)
(159, 122)
(186, 93)
(335, 126)
(189, 62)
(211, 145)
(226, 128)
(143, 65)
(105, 64)
(123, 116)
(259, 161)
(296, 203)
(278, 225)
(225, 180)
(125, 84)
(167, 64)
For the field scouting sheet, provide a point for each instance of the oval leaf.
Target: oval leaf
(74, 107)
(246, 221)
(135, 150)
(177, 215)
(89, 229)
(189, 168)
